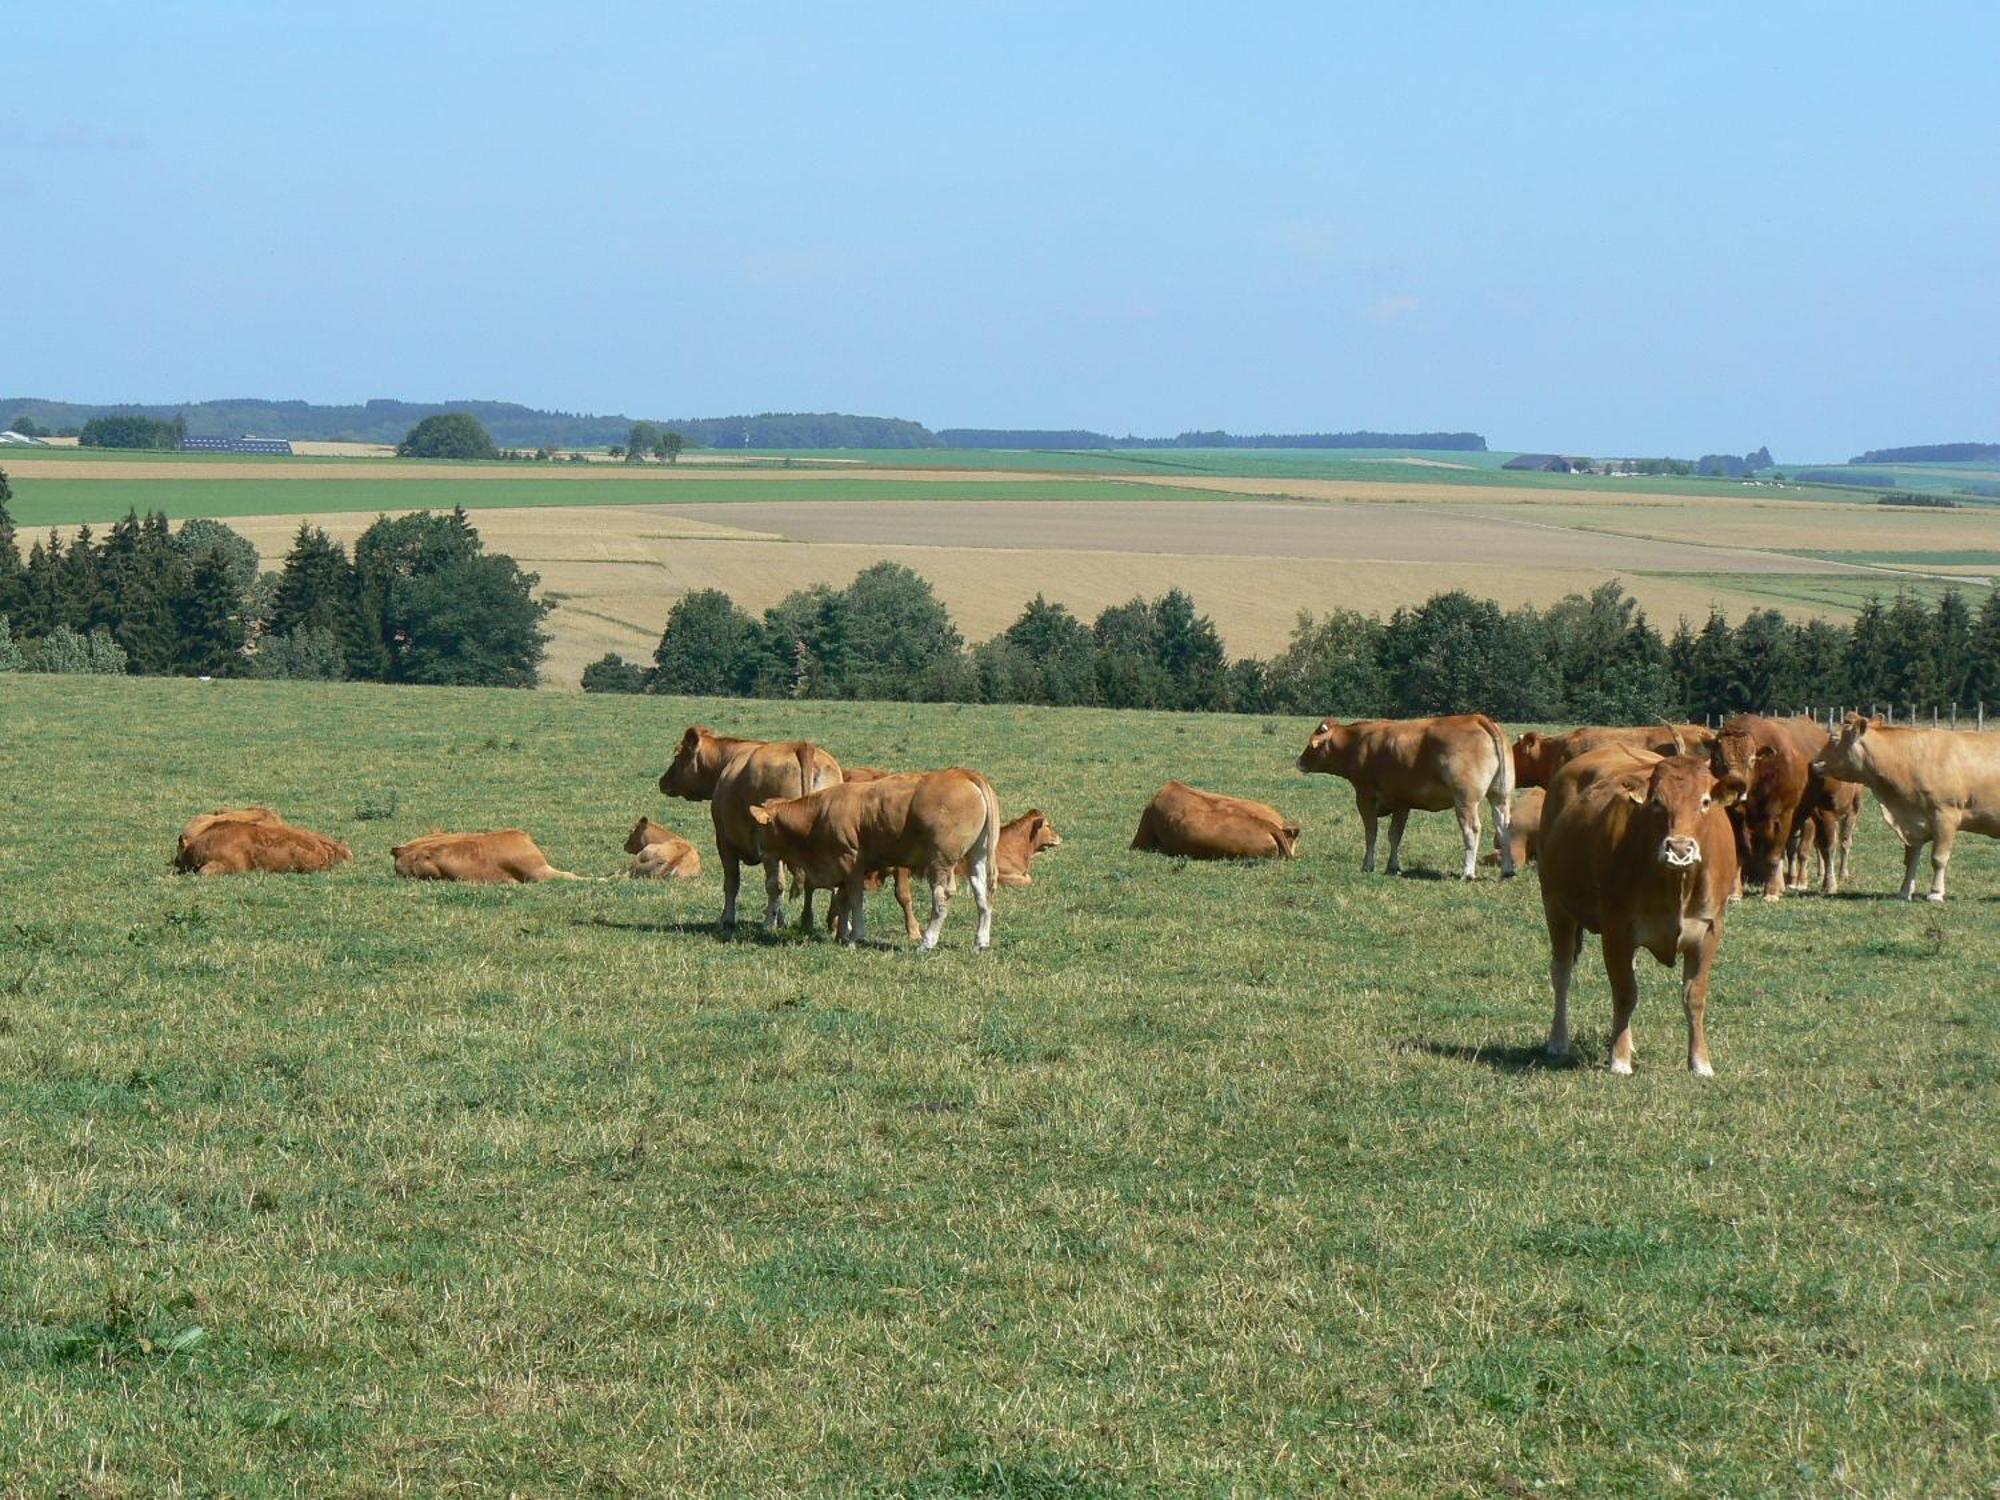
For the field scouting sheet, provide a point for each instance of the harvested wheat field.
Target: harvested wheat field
(615, 571)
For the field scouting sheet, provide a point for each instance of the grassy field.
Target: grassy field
(1207, 1181)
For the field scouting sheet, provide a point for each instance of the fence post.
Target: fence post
(1954, 713)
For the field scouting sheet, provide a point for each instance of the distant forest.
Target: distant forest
(1028, 437)
(1929, 453)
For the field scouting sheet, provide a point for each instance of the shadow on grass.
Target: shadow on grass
(1499, 1056)
(743, 932)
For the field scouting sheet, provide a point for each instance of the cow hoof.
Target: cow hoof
(1622, 1066)
(1557, 1048)
(1937, 896)
(1701, 1068)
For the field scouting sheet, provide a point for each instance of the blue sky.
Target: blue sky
(1601, 228)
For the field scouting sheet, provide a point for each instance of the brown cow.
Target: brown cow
(660, 853)
(925, 821)
(224, 846)
(1021, 839)
(733, 776)
(506, 856)
(1523, 828)
(1824, 830)
(1764, 753)
(1931, 783)
(1426, 765)
(1637, 848)
(1187, 821)
(197, 824)
(1538, 756)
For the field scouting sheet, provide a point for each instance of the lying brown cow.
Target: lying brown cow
(226, 846)
(1932, 783)
(733, 776)
(925, 821)
(1194, 824)
(1538, 756)
(1425, 765)
(1637, 848)
(659, 853)
(1523, 829)
(506, 856)
(202, 821)
(1764, 754)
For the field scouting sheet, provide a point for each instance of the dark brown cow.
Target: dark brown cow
(224, 846)
(1763, 753)
(733, 776)
(658, 853)
(1187, 821)
(1538, 756)
(505, 856)
(1425, 765)
(1637, 848)
(927, 821)
(1933, 784)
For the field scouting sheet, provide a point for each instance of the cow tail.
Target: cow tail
(1499, 738)
(989, 836)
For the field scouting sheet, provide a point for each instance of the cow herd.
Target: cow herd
(1641, 835)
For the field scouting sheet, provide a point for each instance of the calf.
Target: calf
(1425, 765)
(1824, 830)
(1523, 828)
(1932, 783)
(1187, 821)
(925, 821)
(659, 853)
(1021, 839)
(733, 776)
(507, 856)
(230, 847)
(1637, 848)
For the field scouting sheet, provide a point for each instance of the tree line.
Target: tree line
(1588, 657)
(419, 601)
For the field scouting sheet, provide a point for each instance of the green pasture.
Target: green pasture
(1835, 595)
(52, 502)
(1208, 1180)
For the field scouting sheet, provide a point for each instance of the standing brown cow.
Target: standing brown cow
(1764, 754)
(1825, 818)
(1428, 765)
(1538, 756)
(1932, 783)
(1637, 848)
(925, 821)
(733, 776)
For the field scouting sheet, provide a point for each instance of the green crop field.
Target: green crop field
(1207, 1180)
(46, 502)
(1835, 594)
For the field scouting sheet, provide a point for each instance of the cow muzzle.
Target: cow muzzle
(1680, 852)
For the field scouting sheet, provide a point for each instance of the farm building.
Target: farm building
(1541, 463)
(15, 439)
(235, 445)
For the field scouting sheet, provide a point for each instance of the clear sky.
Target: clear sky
(1603, 228)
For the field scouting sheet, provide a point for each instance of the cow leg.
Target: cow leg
(732, 881)
(911, 926)
(1795, 855)
(940, 902)
(851, 902)
(1468, 827)
(1621, 967)
(981, 876)
(1912, 852)
(1942, 837)
(1365, 804)
(774, 896)
(1565, 942)
(1398, 820)
(806, 909)
(1503, 829)
(1695, 966)
(1846, 830)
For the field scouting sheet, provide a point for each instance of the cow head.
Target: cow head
(644, 832)
(1041, 832)
(1677, 798)
(1287, 836)
(1846, 756)
(1327, 749)
(784, 827)
(696, 764)
(1534, 759)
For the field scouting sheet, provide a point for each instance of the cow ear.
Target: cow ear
(1637, 794)
(692, 737)
(1729, 790)
(1764, 752)
(760, 814)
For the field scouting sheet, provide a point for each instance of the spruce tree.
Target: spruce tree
(83, 605)
(41, 592)
(207, 613)
(1951, 647)
(13, 576)
(148, 570)
(1982, 678)
(1909, 653)
(1868, 674)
